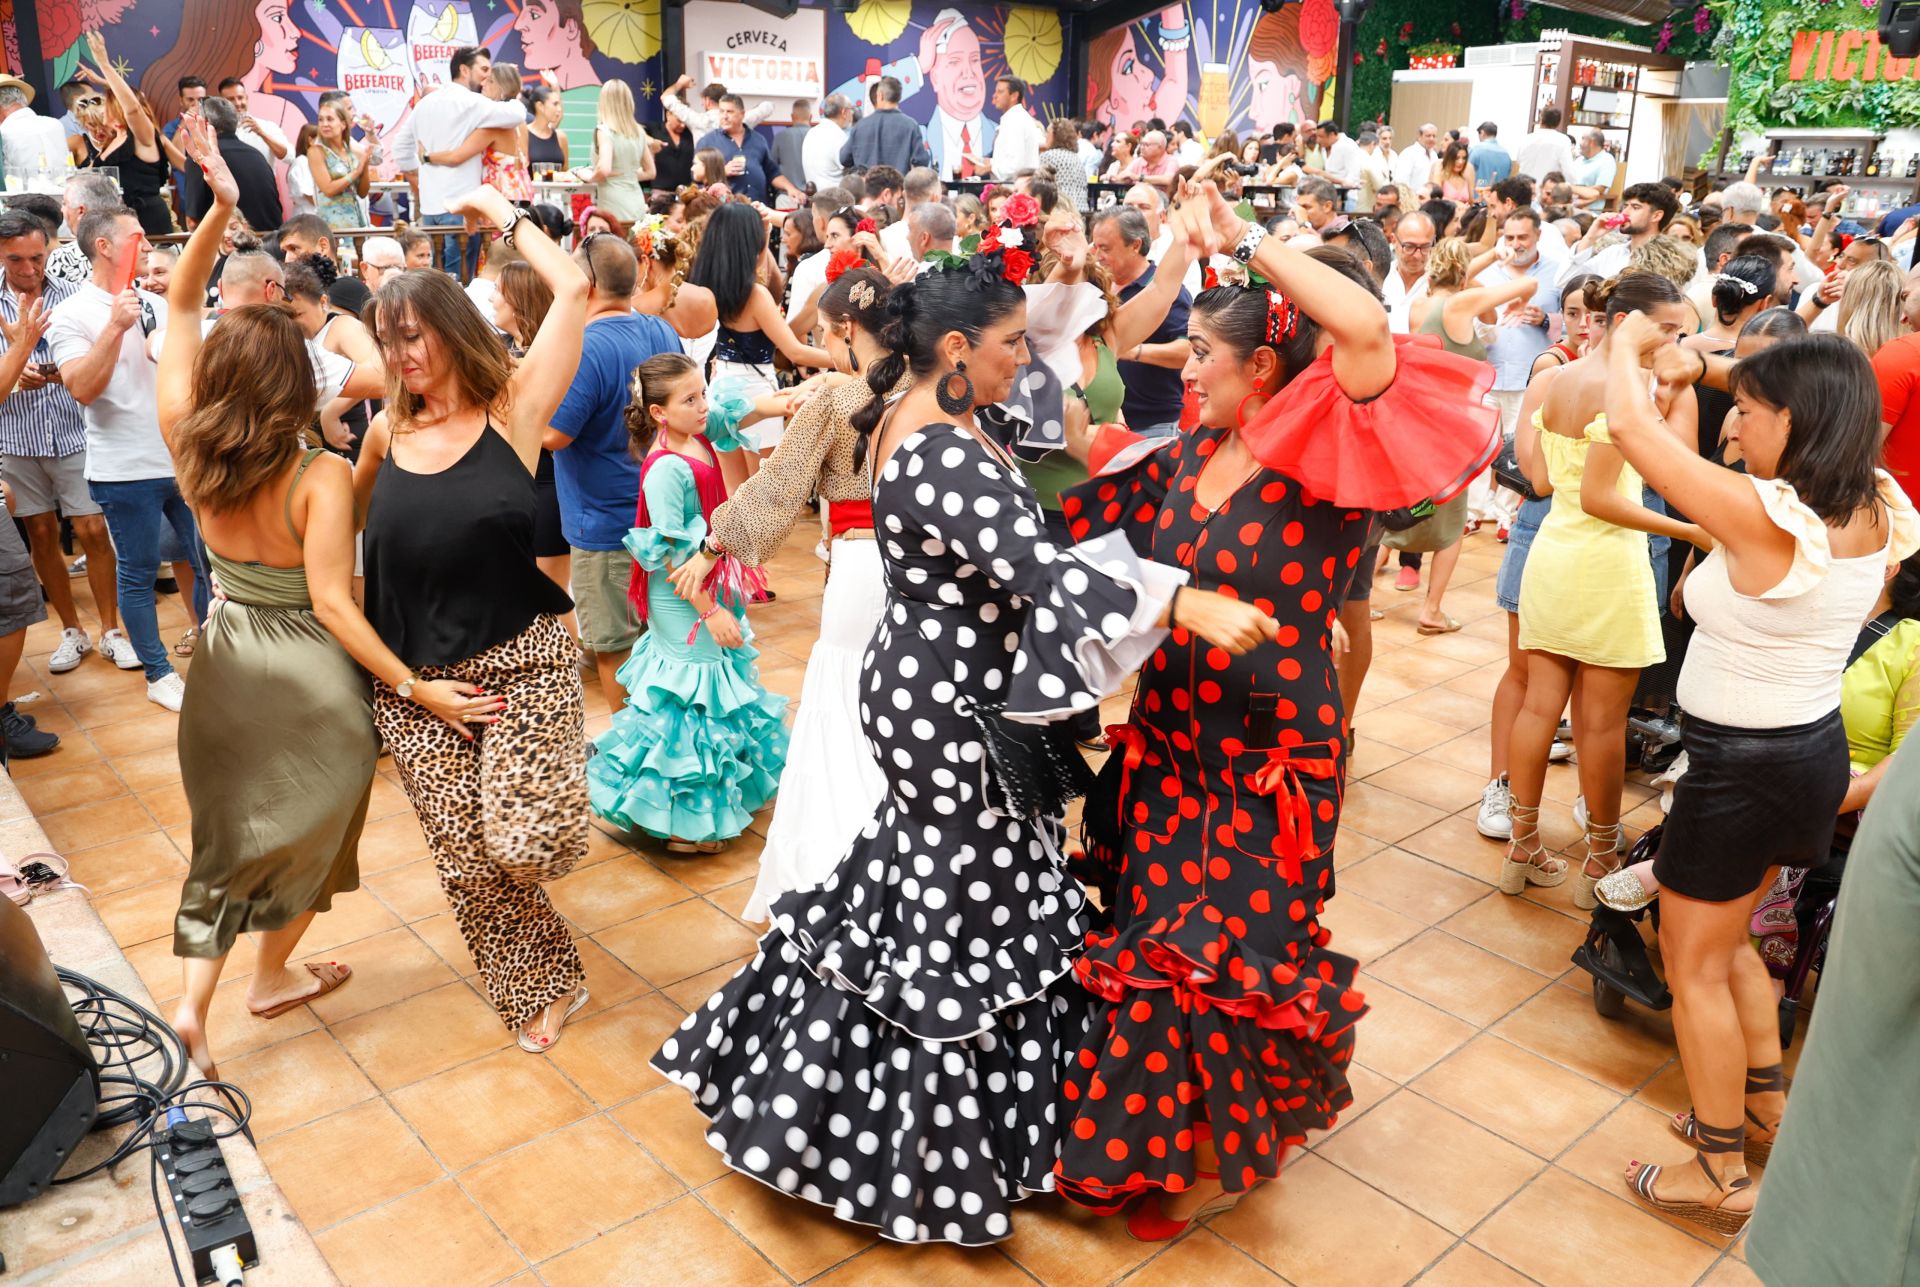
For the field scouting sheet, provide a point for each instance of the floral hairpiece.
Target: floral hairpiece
(865, 225)
(862, 295)
(844, 258)
(644, 232)
(1746, 288)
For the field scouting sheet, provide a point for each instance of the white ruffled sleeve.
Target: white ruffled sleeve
(1904, 521)
(1812, 554)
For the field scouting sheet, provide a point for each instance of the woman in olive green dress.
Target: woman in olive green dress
(276, 731)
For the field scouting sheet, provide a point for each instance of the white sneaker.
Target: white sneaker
(169, 691)
(118, 649)
(1494, 822)
(1580, 814)
(74, 644)
(1560, 752)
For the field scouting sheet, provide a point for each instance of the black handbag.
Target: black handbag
(1037, 769)
(1407, 516)
(1506, 469)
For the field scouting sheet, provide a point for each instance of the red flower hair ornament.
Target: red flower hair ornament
(865, 225)
(844, 258)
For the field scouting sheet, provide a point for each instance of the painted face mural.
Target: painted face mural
(950, 57)
(278, 48)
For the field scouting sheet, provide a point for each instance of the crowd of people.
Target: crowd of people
(1055, 453)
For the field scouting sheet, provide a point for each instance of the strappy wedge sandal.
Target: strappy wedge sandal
(1712, 1214)
(1603, 848)
(36, 874)
(1522, 866)
(1760, 1081)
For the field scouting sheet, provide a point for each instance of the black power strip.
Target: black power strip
(195, 1173)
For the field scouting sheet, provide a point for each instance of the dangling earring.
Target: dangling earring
(1240, 412)
(955, 404)
(259, 48)
(853, 359)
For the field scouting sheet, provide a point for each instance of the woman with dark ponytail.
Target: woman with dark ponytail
(895, 1050)
(1225, 1026)
(831, 784)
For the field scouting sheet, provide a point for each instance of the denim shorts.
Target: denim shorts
(1506, 585)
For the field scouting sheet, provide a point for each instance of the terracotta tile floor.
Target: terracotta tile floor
(1494, 1108)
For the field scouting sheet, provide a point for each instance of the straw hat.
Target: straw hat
(14, 82)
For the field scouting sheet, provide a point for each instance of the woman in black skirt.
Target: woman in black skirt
(1803, 542)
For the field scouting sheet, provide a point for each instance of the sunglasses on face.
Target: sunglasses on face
(91, 100)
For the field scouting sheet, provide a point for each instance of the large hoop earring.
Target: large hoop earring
(955, 404)
(1240, 412)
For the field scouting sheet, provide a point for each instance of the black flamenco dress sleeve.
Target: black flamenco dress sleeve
(1425, 436)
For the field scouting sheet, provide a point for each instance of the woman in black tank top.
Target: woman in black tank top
(445, 480)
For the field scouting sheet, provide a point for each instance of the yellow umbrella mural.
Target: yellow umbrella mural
(626, 30)
(879, 22)
(1033, 43)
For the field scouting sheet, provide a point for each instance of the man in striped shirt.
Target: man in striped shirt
(43, 456)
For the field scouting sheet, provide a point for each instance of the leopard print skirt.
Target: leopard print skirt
(504, 812)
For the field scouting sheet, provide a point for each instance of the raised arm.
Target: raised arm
(139, 124)
(1526, 436)
(187, 288)
(476, 142)
(1347, 313)
(1722, 502)
(1481, 301)
(1141, 316)
(541, 379)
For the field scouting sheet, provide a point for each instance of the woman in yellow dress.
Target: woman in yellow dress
(1589, 620)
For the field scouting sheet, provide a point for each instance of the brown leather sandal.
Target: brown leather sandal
(1713, 1213)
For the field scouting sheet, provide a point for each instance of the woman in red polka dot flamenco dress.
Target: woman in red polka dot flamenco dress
(1227, 1025)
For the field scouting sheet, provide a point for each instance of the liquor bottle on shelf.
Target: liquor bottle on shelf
(1808, 159)
(1873, 165)
(1783, 161)
(1913, 165)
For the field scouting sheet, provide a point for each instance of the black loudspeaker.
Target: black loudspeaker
(49, 1081)
(1900, 27)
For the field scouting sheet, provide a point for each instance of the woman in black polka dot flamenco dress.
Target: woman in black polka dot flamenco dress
(894, 1050)
(1226, 1026)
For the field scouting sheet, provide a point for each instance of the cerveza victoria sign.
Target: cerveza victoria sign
(758, 61)
(1846, 55)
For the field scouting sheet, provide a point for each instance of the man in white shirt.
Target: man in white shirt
(1413, 243)
(706, 118)
(1343, 161)
(1185, 146)
(1018, 138)
(98, 340)
(1093, 146)
(1375, 172)
(1413, 169)
(920, 187)
(1546, 150)
(264, 137)
(820, 154)
(32, 144)
(440, 123)
(1593, 171)
(1513, 194)
(1387, 149)
(1648, 208)
(1149, 201)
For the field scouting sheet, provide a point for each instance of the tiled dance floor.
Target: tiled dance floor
(1495, 1108)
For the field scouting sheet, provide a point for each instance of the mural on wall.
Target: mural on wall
(1240, 70)
(946, 59)
(383, 52)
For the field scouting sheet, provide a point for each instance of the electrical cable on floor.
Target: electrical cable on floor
(124, 1036)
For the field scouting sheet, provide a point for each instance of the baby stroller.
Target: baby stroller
(1616, 956)
(1654, 719)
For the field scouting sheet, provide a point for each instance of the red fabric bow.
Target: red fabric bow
(1280, 776)
(1209, 278)
(844, 258)
(865, 225)
(1283, 318)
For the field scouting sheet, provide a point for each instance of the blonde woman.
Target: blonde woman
(1870, 306)
(622, 161)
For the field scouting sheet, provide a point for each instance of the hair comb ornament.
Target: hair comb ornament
(862, 295)
(1283, 318)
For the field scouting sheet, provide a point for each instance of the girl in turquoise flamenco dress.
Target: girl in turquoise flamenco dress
(699, 746)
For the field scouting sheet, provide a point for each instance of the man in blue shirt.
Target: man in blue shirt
(1151, 370)
(1490, 161)
(886, 136)
(751, 171)
(593, 469)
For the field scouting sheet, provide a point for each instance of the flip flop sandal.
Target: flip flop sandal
(185, 647)
(338, 975)
(38, 873)
(541, 1045)
(1451, 626)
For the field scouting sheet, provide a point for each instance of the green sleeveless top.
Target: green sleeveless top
(1436, 324)
(261, 585)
